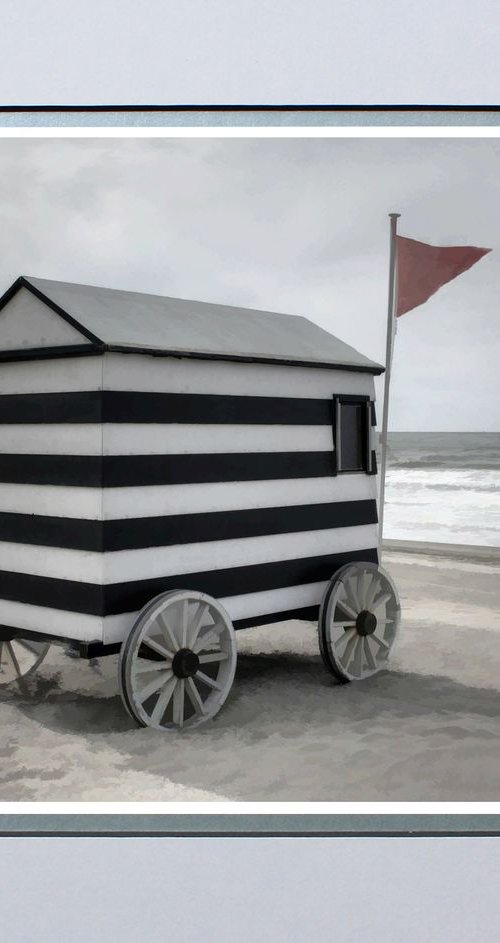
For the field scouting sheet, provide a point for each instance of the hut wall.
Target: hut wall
(125, 475)
(219, 477)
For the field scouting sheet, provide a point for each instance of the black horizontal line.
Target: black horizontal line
(140, 407)
(169, 530)
(331, 107)
(396, 832)
(42, 408)
(79, 471)
(116, 598)
(115, 471)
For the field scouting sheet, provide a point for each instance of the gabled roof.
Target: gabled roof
(110, 319)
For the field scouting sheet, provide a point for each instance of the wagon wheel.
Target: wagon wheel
(359, 621)
(178, 663)
(20, 657)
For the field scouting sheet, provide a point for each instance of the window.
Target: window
(352, 434)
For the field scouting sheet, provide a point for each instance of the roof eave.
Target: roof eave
(373, 368)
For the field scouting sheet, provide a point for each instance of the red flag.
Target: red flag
(422, 269)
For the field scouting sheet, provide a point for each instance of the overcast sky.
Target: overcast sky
(249, 51)
(298, 226)
(287, 890)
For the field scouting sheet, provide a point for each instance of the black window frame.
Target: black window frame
(369, 465)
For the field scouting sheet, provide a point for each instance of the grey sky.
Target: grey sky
(298, 226)
(249, 51)
(271, 890)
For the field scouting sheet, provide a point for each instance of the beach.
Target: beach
(427, 730)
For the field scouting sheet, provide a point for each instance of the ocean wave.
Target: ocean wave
(450, 462)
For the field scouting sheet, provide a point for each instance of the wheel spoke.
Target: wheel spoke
(196, 624)
(363, 586)
(167, 628)
(194, 696)
(381, 600)
(380, 642)
(351, 595)
(346, 657)
(344, 637)
(347, 609)
(32, 647)
(208, 638)
(345, 625)
(368, 654)
(178, 708)
(163, 701)
(212, 656)
(15, 662)
(184, 622)
(1, 654)
(357, 664)
(150, 666)
(156, 647)
(206, 680)
(374, 587)
(153, 686)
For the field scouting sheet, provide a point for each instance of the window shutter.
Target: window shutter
(335, 434)
(371, 465)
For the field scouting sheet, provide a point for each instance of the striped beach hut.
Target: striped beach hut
(172, 471)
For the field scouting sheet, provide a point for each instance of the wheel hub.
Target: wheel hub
(366, 623)
(185, 663)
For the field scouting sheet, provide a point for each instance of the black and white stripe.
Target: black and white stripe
(108, 497)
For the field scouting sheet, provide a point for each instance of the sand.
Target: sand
(427, 730)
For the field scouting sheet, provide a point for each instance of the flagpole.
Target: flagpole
(391, 325)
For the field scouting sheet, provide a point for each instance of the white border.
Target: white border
(443, 131)
(250, 808)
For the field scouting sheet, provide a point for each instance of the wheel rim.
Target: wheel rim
(359, 621)
(19, 658)
(177, 666)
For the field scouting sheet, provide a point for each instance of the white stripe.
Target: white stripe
(160, 439)
(155, 501)
(154, 562)
(63, 375)
(52, 439)
(179, 438)
(52, 500)
(165, 374)
(275, 600)
(72, 625)
(247, 606)
(54, 562)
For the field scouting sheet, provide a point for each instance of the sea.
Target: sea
(443, 487)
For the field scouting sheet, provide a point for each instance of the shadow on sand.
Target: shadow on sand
(285, 685)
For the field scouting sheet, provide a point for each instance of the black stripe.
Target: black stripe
(210, 408)
(113, 471)
(309, 614)
(71, 533)
(84, 471)
(257, 106)
(143, 532)
(119, 406)
(51, 407)
(92, 599)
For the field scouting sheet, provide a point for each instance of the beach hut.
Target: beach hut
(171, 471)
